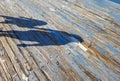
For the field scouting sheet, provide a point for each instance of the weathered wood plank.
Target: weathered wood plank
(59, 40)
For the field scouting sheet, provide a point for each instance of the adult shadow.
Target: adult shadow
(42, 37)
(37, 36)
(22, 21)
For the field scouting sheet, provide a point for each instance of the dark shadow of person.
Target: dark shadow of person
(37, 37)
(22, 21)
(42, 37)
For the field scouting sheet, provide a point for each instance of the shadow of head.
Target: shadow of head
(23, 21)
(42, 37)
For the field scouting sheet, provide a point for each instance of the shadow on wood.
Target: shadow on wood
(23, 21)
(37, 36)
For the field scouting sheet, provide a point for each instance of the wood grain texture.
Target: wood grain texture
(59, 40)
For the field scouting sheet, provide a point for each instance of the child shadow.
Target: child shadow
(23, 21)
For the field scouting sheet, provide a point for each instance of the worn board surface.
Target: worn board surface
(59, 40)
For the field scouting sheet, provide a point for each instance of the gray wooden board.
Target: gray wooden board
(59, 40)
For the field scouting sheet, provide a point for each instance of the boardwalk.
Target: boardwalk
(59, 40)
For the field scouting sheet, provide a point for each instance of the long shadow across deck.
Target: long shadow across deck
(23, 21)
(38, 36)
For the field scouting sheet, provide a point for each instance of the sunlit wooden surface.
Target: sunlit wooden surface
(59, 40)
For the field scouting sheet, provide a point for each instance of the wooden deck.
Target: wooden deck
(59, 40)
